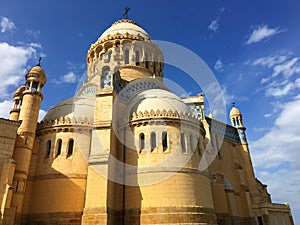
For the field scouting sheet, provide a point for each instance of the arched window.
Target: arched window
(59, 144)
(105, 77)
(192, 143)
(137, 58)
(142, 142)
(153, 141)
(164, 140)
(146, 60)
(182, 141)
(70, 147)
(48, 149)
(126, 58)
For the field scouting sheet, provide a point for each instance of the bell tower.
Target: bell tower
(31, 98)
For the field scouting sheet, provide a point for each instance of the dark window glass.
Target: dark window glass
(48, 148)
(70, 147)
(182, 140)
(164, 140)
(153, 141)
(137, 58)
(142, 142)
(59, 144)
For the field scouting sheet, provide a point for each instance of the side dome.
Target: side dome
(125, 27)
(72, 108)
(158, 100)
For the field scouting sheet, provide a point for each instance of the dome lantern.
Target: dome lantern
(125, 45)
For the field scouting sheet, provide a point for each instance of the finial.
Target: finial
(39, 64)
(125, 14)
(233, 104)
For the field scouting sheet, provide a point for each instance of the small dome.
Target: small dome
(235, 112)
(72, 107)
(37, 69)
(20, 91)
(37, 72)
(158, 99)
(123, 27)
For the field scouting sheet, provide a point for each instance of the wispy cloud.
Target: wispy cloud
(261, 33)
(6, 25)
(288, 68)
(33, 33)
(69, 78)
(214, 25)
(270, 61)
(219, 66)
(282, 69)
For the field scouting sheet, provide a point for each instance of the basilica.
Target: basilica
(125, 150)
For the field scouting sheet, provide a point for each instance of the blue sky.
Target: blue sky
(252, 47)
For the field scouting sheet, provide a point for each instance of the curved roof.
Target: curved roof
(235, 112)
(123, 27)
(158, 99)
(20, 91)
(73, 107)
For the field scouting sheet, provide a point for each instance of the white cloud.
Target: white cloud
(261, 33)
(281, 82)
(70, 78)
(219, 65)
(281, 143)
(270, 61)
(5, 107)
(280, 91)
(267, 115)
(287, 69)
(13, 60)
(42, 113)
(214, 25)
(35, 45)
(6, 25)
(276, 155)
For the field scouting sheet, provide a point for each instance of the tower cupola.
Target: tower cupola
(18, 97)
(236, 117)
(35, 79)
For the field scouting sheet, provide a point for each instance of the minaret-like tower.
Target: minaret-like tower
(31, 99)
(237, 122)
(18, 96)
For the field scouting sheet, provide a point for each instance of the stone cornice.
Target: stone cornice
(64, 124)
(162, 114)
(10, 122)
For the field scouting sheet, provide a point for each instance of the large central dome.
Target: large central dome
(125, 27)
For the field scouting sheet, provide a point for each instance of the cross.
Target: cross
(126, 12)
(233, 104)
(39, 61)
